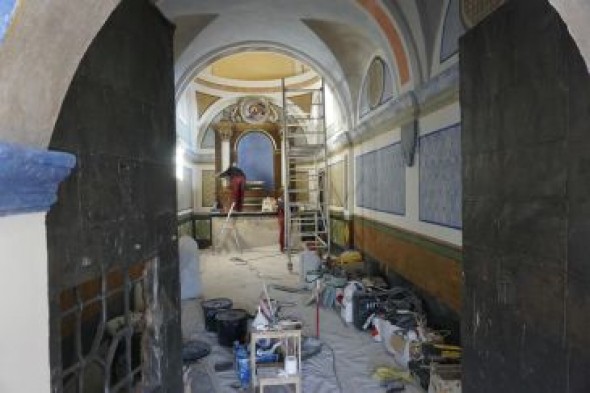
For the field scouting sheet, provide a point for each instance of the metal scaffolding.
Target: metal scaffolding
(305, 171)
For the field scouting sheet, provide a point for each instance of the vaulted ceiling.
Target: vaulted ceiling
(338, 39)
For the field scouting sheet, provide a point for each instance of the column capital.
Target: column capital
(225, 129)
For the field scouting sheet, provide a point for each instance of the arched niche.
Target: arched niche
(255, 155)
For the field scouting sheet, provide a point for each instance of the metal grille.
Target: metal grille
(102, 324)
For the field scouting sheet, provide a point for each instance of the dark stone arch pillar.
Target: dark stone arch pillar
(118, 208)
(525, 101)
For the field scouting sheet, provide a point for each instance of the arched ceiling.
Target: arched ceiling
(40, 52)
(255, 72)
(284, 26)
(257, 66)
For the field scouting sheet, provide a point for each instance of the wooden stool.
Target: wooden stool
(291, 337)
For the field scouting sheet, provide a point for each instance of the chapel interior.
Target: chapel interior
(295, 196)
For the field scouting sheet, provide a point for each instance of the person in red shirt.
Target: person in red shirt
(237, 183)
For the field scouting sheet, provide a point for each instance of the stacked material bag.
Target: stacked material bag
(190, 268)
(309, 264)
(347, 311)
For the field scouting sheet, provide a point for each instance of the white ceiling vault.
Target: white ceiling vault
(337, 38)
(41, 50)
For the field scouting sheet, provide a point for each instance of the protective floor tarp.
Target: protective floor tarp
(348, 356)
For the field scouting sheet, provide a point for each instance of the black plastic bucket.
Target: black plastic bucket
(232, 325)
(210, 309)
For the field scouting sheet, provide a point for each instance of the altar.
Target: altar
(254, 229)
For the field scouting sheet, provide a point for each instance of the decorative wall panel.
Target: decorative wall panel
(340, 230)
(440, 177)
(381, 180)
(208, 188)
(338, 183)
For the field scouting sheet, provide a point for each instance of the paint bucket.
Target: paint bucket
(232, 325)
(210, 309)
(291, 365)
(194, 350)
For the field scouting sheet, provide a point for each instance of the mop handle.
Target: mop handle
(317, 310)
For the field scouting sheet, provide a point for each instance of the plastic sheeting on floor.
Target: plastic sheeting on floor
(356, 354)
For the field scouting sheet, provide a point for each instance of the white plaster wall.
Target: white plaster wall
(24, 331)
(410, 221)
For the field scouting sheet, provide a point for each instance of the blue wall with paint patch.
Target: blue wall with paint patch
(256, 158)
(440, 177)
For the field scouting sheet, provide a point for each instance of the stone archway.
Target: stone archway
(576, 14)
(38, 58)
(56, 35)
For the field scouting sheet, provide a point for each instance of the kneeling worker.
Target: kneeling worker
(237, 183)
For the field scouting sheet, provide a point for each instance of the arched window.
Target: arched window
(377, 86)
(256, 158)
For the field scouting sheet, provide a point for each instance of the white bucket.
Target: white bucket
(291, 365)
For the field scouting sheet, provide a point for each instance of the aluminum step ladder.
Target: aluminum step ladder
(305, 172)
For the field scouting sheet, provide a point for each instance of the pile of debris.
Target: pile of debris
(393, 316)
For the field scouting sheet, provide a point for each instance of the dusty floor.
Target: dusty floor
(356, 354)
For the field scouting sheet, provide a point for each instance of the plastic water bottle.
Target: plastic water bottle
(243, 366)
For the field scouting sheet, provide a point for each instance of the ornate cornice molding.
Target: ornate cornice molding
(438, 92)
(29, 178)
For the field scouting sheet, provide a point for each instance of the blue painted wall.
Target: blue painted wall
(256, 158)
(381, 180)
(7, 8)
(440, 177)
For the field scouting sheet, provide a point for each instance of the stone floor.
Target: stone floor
(346, 361)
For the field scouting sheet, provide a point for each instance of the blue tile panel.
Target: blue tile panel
(381, 180)
(440, 177)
